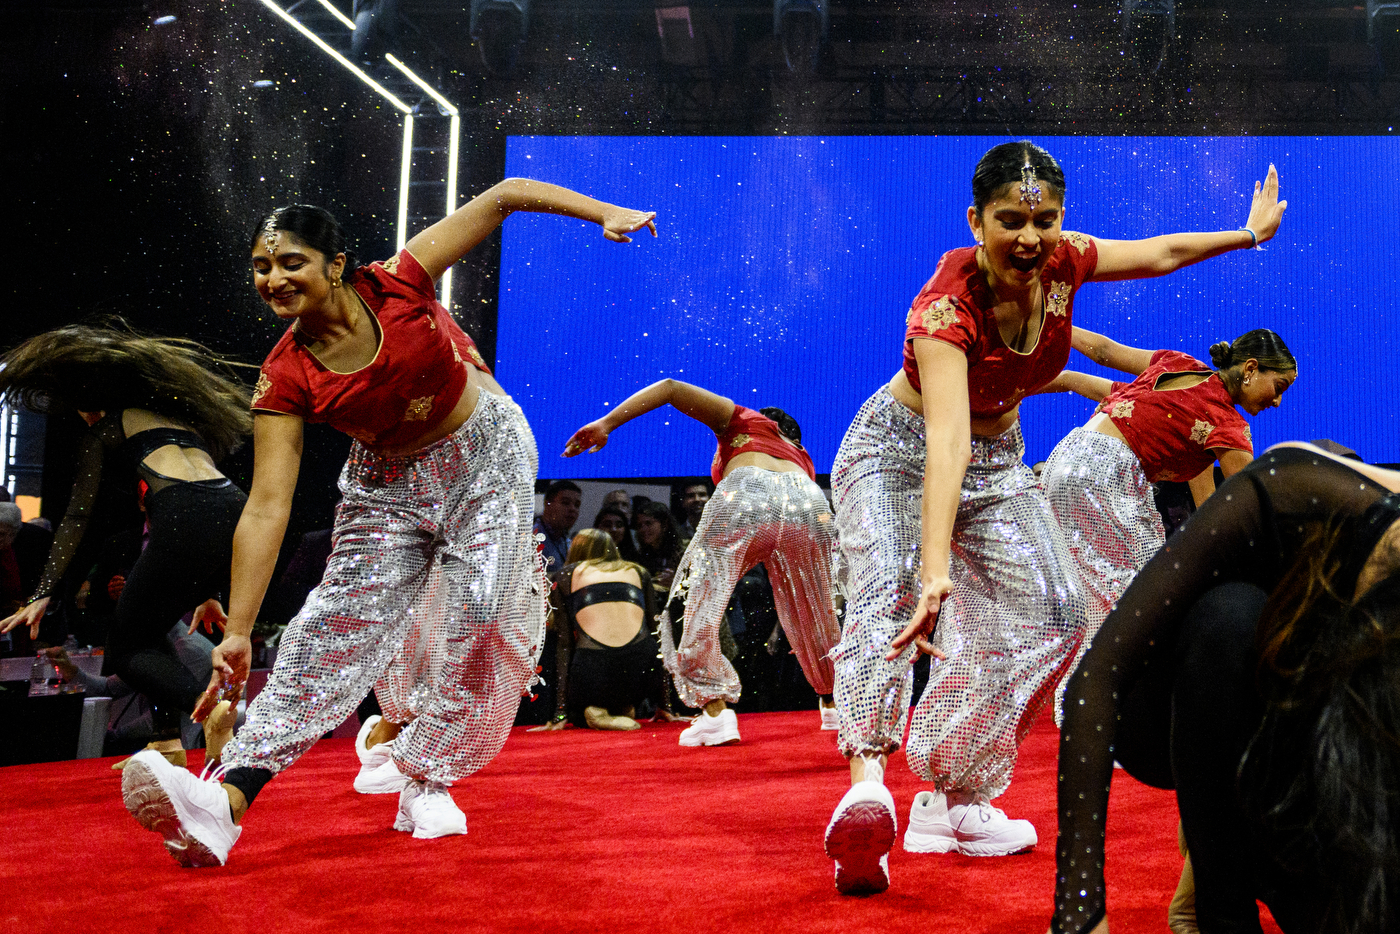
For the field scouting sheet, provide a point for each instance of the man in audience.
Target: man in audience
(693, 498)
(622, 500)
(562, 500)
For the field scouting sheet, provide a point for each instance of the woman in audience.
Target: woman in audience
(1254, 666)
(443, 470)
(613, 520)
(160, 413)
(659, 542)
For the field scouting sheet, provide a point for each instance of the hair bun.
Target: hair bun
(1220, 354)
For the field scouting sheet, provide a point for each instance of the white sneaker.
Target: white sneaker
(706, 730)
(829, 719)
(929, 830)
(192, 814)
(427, 810)
(384, 779)
(859, 838)
(982, 830)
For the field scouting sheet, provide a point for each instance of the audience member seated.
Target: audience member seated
(614, 521)
(562, 500)
(12, 591)
(659, 543)
(692, 499)
(604, 613)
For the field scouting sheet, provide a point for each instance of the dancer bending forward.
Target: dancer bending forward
(935, 505)
(443, 469)
(1172, 423)
(766, 507)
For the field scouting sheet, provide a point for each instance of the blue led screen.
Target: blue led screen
(786, 265)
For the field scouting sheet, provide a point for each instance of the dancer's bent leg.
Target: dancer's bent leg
(800, 569)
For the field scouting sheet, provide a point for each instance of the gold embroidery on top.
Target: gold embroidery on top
(1249, 436)
(455, 355)
(1168, 475)
(739, 441)
(391, 265)
(1057, 300)
(476, 356)
(1077, 240)
(940, 314)
(1122, 409)
(261, 388)
(418, 409)
(1200, 432)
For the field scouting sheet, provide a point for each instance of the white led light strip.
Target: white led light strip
(321, 44)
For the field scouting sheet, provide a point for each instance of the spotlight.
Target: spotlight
(1149, 28)
(801, 28)
(378, 27)
(498, 28)
(164, 20)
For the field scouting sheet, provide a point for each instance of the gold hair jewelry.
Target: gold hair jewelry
(1030, 185)
(271, 237)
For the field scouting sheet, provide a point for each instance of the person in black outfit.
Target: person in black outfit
(162, 411)
(1254, 666)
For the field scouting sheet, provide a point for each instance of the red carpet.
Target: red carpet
(573, 831)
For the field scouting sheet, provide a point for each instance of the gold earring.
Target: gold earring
(335, 283)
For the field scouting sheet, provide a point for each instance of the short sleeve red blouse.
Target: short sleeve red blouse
(413, 382)
(1174, 431)
(751, 432)
(955, 307)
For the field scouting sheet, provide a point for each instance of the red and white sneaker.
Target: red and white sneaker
(192, 814)
(859, 837)
(426, 810)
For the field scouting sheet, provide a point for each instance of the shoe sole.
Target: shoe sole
(973, 850)
(705, 741)
(864, 833)
(404, 825)
(927, 843)
(146, 801)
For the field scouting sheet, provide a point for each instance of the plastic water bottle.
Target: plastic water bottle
(43, 677)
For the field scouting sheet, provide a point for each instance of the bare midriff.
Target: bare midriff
(1104, 426)
(477, 382)
(911, 399)
(758, 459)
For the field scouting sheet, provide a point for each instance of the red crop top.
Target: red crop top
(1173, 431)
(956, 307)
(751, 432)
(413, 382)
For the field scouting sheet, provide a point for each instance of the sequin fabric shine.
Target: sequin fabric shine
(1010, 626)
(1104, 504)
(783, 520)
(464, 505)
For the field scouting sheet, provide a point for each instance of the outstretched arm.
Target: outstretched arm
(454, 236)
(1157, 256)
(1093, 388)
(1110, 353)
(276, 462)
(704, 406)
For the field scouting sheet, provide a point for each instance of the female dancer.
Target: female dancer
(161, 411)
(766, 507)
(1171, 423)
(933, 503)
(443, 469)
(605, 614)
(1254, 665)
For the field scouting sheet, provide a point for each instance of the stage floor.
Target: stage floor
(572, 831)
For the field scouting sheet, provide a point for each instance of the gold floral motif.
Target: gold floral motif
(739, 441)
(476, 356)
(418, 409)
(391, 265)
(1077, 240)
(455, 355)
(1122, 409)
(940, 314)
(261, 388)
(1057, 300)
(1200, 432)
(1249, 436)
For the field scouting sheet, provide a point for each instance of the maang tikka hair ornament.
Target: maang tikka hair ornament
(271, 236)
(1030, 185)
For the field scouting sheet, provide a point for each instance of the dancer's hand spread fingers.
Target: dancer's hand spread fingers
(924, 621)
(30, 616)
(1266, 211)
(591, 438)
(619, 222)
(231, 659)
(210, 613)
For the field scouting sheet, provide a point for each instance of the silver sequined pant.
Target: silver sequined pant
(1010, 626)
(783, 520)
(1103, 501)
(464, 504)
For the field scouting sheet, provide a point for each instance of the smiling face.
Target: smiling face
(1017, 237)
(1261, 389)
(649, 531)
(291, 277)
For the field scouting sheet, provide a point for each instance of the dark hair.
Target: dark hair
(786, 423)
(610, 511)
(313, 226)
(111, 367)
(559, 486)
(1323, 770)
(1001, 165)
(666, 554)
(1261, 344)
(626, 549)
